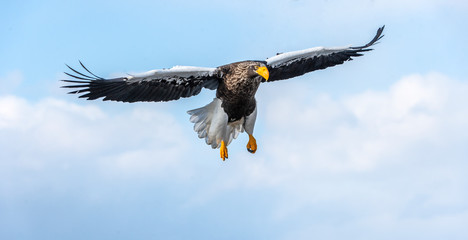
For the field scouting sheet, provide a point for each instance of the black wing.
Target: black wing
(293, 64)
(153, 86)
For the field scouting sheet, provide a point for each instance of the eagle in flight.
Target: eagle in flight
(234, 109)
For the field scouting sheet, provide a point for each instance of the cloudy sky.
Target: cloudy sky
(372, 149)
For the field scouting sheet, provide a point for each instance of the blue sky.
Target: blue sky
(372, 149)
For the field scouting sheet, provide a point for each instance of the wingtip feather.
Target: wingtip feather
(374, 41)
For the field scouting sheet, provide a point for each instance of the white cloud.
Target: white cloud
(357, 133)
(392, 161)
(389, 158)
(353, 134)
(55, 132)
(377, 145)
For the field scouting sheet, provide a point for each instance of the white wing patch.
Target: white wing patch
(173, 73)
(290, 57)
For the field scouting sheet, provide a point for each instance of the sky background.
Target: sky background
(375, 148)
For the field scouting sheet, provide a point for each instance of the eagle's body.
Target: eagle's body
(237, 89)
(234, 109)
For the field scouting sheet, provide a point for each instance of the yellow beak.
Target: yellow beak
(263, 71)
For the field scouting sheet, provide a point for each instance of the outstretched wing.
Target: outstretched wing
(293, 64)
(153, 86)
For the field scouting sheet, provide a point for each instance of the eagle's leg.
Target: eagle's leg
(252, 144)
(223, 152)
(249, 128)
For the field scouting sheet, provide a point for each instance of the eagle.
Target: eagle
(234, 109)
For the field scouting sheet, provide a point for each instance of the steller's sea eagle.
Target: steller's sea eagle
(234, 109)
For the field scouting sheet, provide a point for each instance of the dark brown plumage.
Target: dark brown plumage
(238, 87)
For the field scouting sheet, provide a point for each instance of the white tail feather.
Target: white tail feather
(211, 123)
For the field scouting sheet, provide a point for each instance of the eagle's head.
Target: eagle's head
(258, 68)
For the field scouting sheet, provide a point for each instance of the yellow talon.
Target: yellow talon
(252, 144)
(223, 151)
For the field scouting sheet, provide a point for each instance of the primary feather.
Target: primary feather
(152, 86)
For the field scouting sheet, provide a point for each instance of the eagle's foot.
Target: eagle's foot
(223, 152)
(252, 144)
